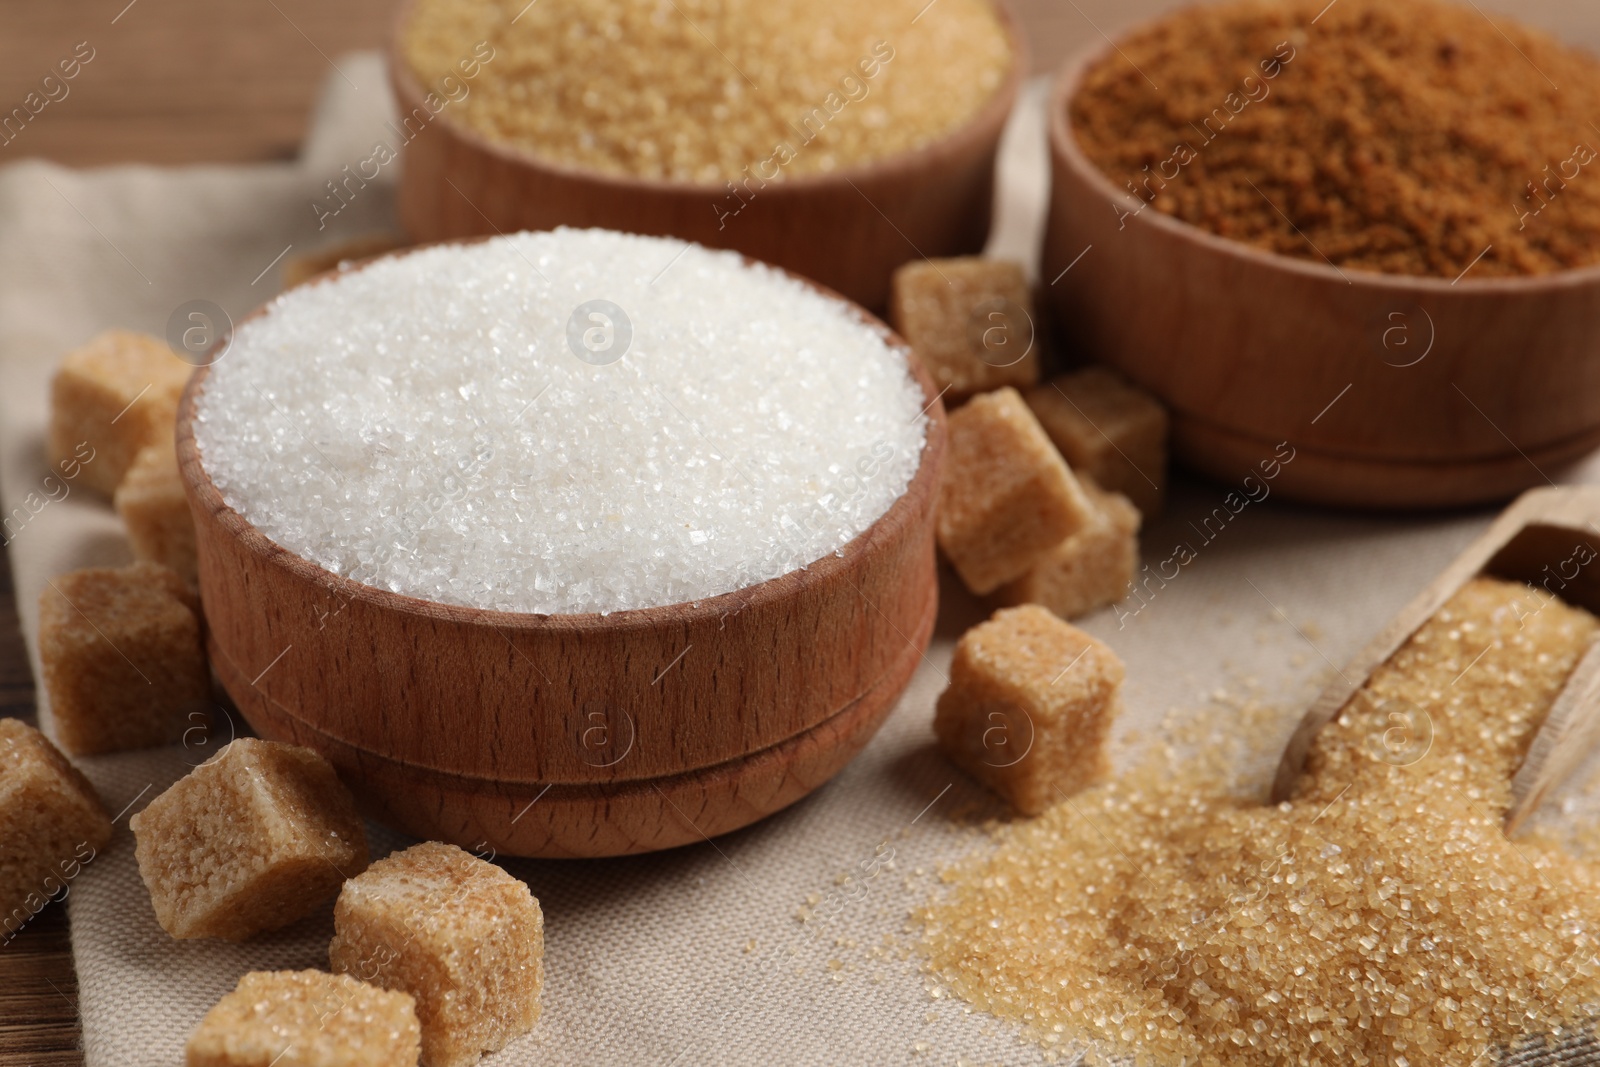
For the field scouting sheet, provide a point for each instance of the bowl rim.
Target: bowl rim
(1066, 152)
(987, 123)
(923, 486)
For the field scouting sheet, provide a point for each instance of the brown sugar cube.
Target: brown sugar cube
(156, 512)
(299, 269)
(1007, 498)
(1090, 569)
(122, 656)
(111, 398)
(1108, 429)
(51, 824)
(459, 934)
(970, 321)
(1029, 707)
(254, 838)
(306, 1019)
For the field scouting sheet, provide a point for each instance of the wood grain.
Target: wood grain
(39, 996)
(1362, 482)
(178, 81)
(183, 81)
(38, 987)
(1566, 739)
(573, 735)
(1550, 537)
(1249, 349)
(848, 229)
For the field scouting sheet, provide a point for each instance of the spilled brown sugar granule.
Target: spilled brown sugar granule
(1403, 136)
(1379, 917)
(708, 90)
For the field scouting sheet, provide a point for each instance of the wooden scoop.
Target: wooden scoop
(1549, 538)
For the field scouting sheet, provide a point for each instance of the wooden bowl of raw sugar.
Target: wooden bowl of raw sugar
(1393, 391)
(847, 229)
(572, 735)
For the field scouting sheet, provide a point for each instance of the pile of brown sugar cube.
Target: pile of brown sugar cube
(113, 406)
(1044, 488)
(437, 954)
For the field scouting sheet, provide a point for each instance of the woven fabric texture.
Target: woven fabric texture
(698, 955)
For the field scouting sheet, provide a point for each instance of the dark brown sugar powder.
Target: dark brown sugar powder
(1401, 136)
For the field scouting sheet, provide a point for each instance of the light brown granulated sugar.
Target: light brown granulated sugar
(1379, 917)
(1402, 136)
(708, 90)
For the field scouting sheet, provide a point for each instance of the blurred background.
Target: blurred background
(189, 81)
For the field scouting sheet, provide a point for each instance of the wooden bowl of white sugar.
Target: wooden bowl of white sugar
(565, 544)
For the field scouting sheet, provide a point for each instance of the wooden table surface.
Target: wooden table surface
(185, 81)
(170, 81)
(38, 989)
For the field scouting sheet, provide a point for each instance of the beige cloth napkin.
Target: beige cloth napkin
(694, 956)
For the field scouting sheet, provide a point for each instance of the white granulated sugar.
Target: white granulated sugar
(423, 425)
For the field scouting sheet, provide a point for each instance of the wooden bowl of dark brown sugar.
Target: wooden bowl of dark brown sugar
(1394, 391)
(847, 228)
(572, 735)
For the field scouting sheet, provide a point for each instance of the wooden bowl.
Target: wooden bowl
(572, 735)
(1394, 391)
(847, 229)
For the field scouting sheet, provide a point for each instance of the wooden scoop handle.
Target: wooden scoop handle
(1563, 742)
(1536, 532)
